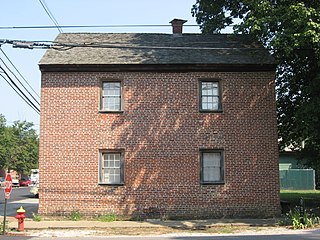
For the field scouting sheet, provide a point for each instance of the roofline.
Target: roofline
(157, 67)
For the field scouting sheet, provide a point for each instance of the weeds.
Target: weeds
(1, 226)
(36, 217)
(108, 218)
(300, 219)
(75, 216)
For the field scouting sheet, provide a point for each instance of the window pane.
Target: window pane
(112, 103)
(105, 91)
(117, 179)
(210, 99)
(106, 179)
(211, 166)
(109, 92)
(215, 89)
(117, 164)
(211, 175)
(111, 85)
(211, 159)
(111, 96)
(117, 90)
(105, 103)
(117, 157)
(105, 164)
(111, 168)
(215, 106)
(205, 103)
(209, 88)
(111, 179)
(209, 95)
(111, 164)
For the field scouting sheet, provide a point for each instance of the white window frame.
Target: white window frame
(111, 97)
(205, 96)
(111, 161)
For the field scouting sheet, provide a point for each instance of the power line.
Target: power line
(27, 44)
(19, 81)
(62, 45)
(35, 109)
(95, 26)
(16, 87)
(19, 72)
(49, 13)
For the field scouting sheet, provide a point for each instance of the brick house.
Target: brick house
(154, 125)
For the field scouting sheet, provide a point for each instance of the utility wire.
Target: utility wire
(95, 26)
(68, 45)
(25, 98)
(27, 44)
(20, 82)
(49, 13)
(35, 109)
(19, 73)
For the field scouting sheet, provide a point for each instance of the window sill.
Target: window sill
(116, 112)
(212, 183)
(211, 111)
(111, 184)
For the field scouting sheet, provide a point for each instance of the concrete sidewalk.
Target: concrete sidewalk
(185, 224)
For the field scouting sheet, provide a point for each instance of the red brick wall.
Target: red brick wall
(161, 130)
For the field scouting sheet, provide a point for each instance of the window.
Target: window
(210, 96)
(212, 170)
(112, 96)
(111, 167)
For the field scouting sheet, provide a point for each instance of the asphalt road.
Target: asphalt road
(19, 197)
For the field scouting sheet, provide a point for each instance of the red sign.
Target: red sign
(8, 186)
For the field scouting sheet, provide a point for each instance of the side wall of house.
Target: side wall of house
(161, 131)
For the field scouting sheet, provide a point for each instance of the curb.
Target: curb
(188, 225)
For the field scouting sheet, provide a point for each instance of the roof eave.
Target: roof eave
(157, 67)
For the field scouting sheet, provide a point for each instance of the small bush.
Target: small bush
(36, 217)
(108, 218)
(300, 219)
(75, 216)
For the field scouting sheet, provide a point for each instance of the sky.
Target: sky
(72, 12)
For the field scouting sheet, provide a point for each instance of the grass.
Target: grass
(311, 199)
(143, 231)
(107, 218)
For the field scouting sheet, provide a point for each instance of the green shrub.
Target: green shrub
(108, 217)
(36, 217)
(300, 219)
(75, 216)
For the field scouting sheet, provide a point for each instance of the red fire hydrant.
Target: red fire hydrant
(20, 218)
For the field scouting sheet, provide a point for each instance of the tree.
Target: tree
(19, 146)
(290, 30)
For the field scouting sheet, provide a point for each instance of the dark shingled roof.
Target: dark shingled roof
(152, 48)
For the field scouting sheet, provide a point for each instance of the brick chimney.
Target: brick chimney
(177, 26)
